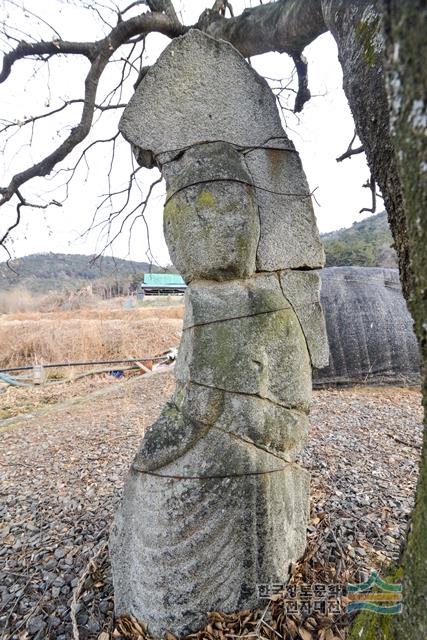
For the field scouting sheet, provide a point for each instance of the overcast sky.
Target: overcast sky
(321, 133)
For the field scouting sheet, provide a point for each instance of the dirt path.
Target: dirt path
(62, 474)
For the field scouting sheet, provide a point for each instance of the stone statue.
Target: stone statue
(215, 503)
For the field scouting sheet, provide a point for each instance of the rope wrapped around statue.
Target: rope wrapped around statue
(215, 505)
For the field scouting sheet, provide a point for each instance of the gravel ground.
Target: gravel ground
(62, 473)
(363, 456)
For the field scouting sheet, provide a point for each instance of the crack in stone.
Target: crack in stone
(258, 207)
(240, 148)
(294, 308)
(301, 408)
(249, 315)
(305, 267)
(214, 476)
(251, 443)
(238, 181)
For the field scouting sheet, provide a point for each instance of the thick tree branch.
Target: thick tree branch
(287, 26)
(164, 6)
(141, 25)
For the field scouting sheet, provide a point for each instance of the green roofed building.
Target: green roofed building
(163, 284)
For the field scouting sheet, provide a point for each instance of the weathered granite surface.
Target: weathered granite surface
(289, 237)
(182, 548)
(211, 228)
(215, 502)
(302, 290)
(264, 355)
(200, 90)
(208, 301)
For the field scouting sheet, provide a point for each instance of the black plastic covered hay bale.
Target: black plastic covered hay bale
(370, 330)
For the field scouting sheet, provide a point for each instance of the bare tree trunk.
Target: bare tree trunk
(406, 34)
(357, 29)
(396, 154)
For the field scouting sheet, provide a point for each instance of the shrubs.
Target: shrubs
(23, 301)
(18, 300)
(365, 244)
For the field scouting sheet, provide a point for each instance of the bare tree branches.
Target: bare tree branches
(37, 16)
(162, 19)
(32, 119)
(350, 150)
(55, 47)
(77, 135)
(281, 26)
(23, 203)
(83, 156)
(370, 184)
(131, 217)
(131, 6)
(99, 54)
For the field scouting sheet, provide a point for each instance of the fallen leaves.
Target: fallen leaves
(61, 479)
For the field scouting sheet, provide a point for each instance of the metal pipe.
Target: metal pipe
(82, 364)
(12, 381)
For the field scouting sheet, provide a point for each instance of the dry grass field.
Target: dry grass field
(102, 332)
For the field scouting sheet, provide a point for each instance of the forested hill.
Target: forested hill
(365, 244)
(45, 272)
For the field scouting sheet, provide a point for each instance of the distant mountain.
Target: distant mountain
(45, 272)
(367, 243)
